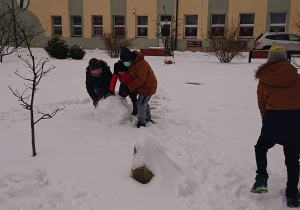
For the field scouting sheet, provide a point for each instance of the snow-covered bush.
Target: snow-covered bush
(57, 48)
(76, 52)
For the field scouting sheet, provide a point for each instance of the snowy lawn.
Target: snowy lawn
(207, 123)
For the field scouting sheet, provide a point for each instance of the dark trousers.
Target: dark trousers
(291, 154)
(132, 96)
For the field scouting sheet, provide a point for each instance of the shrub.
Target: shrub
(57, 48)
(112, 44)
(76, 52)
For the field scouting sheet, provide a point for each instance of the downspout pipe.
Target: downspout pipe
(176, 27)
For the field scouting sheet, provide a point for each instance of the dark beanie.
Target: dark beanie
(119, 66)
(94, 64)
(126, 54)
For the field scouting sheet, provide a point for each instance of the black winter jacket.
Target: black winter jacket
(101, 81)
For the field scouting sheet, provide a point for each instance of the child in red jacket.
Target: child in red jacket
(121, 73)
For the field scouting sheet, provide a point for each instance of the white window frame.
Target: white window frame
(54, 25)
(278, 24)
(76, 26)
(248, 25)
(141, 26)
(119, 26)
(190, 26)
(95, 26)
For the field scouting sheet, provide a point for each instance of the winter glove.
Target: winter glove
(126, 91)
(95, 102)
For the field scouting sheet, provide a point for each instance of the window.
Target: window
(119, 26)
(142, 26)
(97, 25)
(246, 25)
(165, 25)
(190, 29)
(217, 25)
(76, 26)
(294, 37)
(57, 27)
(277, 22)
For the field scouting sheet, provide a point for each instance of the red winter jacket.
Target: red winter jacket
(125, 80)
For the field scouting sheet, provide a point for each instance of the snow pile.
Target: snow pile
(113, 110)
(151, 154)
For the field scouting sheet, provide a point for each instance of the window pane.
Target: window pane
(246, 31)
(165, 18)
(278, 18)
(165, 30)
(142, 31)
(77, 31)
(57, 31)
(77, 20)
(98, 31)
(217, 31)
(277, 29)
(97, 20)
(119, 20)
(218, 19)
(294, 38)
(120, 31)
(142, 20)
(190, 31)
(191, 19)
(57, 20)
(247, 19)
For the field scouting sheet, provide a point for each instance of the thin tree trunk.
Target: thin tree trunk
(32, 132)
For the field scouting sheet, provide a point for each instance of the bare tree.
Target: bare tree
(8, 42)
(225, 44)
(296, 22)
(112, 44)
(36, 67)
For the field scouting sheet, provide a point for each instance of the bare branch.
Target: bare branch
(47, 115)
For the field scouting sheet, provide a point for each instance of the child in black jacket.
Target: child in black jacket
(98, 77)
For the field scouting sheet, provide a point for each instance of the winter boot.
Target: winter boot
(293, 201)
(149, 120)
(139, 124)
(260, 185)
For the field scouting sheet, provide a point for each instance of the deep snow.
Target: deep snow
(201, 146)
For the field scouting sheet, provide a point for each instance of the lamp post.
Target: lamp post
(14, 19)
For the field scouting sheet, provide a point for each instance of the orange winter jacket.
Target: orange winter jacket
(278, 87)
(142, 76)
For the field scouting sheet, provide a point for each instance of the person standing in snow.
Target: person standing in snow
(121, 73)
(98, 77)
(143, 81)
(278, 94)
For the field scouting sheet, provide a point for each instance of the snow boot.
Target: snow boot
(260, 185)
(293, 201)
(139, 124)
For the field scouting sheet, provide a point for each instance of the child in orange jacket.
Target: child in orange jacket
(121, 73)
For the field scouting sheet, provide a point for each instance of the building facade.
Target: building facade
(83, 22)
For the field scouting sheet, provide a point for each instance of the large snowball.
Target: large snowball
(113, 110)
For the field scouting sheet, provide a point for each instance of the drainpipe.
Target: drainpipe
(176, 27)
(14, 19)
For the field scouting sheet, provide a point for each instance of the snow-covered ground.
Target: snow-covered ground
(201, 149)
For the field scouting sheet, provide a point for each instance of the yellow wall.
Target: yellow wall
(142, 8)
(92, 7)
(200, 8)
(45, 9)
(294, 15)
(259, 7)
